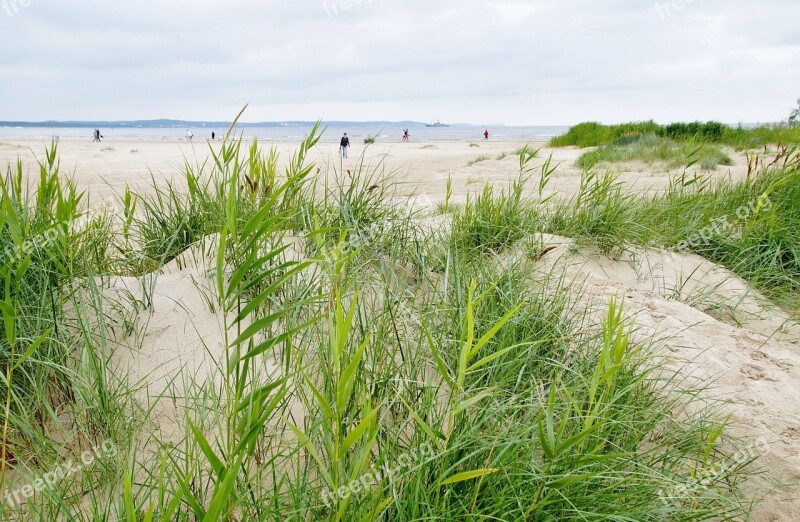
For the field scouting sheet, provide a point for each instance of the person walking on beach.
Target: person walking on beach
(189, 135)
(344, 145)
(486, 134)
(97, 135)
(213, 136)
(405, 135)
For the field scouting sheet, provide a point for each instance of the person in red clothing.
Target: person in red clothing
(486, 134)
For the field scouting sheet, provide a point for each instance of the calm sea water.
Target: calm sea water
(290, 134)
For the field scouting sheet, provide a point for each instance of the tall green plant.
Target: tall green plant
(255, 323)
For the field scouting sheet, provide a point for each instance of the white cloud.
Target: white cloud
(468, 61)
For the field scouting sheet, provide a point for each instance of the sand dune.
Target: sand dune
(708, 322)
(719, 334)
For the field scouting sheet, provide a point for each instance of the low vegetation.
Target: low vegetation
(592, 134)
(749, 227)
(517, 152)
(471, 378)
(477, 160)
(650, 149)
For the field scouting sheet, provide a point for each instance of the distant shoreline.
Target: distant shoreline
(382, 133)
(177, 124)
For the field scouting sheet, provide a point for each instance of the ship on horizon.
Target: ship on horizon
(436, 124)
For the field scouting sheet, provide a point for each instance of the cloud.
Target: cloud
(505, 61)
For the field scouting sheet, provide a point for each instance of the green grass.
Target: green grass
(650, 149)
(517, 152)
(477, 160)
(378, 344)
(54, 362)
(592, 134)
(489, 222)
(723, 222)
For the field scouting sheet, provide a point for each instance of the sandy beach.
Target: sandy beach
(420, 168)
(751, 360)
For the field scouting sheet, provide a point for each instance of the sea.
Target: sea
(291, 134)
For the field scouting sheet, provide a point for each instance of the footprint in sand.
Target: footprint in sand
(782, 364)
(756, 373)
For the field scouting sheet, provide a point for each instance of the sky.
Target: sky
(514, 62)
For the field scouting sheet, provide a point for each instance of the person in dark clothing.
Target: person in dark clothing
(486, 134)
(213, 136)
(344, 145)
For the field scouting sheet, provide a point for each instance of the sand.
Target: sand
(420, 168)
(719, 332)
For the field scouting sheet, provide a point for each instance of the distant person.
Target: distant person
(189, 135)
(344, 145)
(97, 135)
(405, 135)
(213, 136)
(486, 134)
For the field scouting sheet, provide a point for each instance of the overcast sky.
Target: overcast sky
(484, 62)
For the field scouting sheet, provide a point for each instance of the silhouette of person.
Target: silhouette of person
(486, 134)
(344, 145)
(213, 136)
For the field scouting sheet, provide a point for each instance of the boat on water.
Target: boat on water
(437, 124)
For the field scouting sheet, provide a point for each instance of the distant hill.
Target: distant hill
(156, 124)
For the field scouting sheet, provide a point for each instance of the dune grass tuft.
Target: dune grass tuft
(651, 149)
(477, 160)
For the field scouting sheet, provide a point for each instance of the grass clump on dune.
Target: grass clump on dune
(59, 397)
(477, 160)
(519, 151)
(750, 227)
(592, 134)
(490, 222)
(650, 149)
